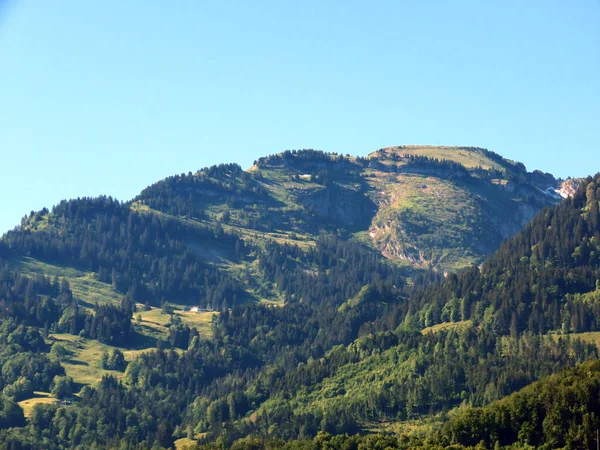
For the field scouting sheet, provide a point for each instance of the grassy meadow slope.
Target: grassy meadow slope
(450, 206)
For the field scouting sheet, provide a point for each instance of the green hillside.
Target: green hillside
(467, 340)
(560, 411)
(294, 299)
(420, 207)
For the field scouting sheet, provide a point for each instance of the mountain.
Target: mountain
(443, 207)
(320, 328)
(197, 238)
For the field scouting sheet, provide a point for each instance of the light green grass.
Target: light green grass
(83, 284)
(39, 398)
(90, 290)
(155, 322)
(468, 158)
(154, 318)
(447, 326)
(26, 264)
(418, 428)
(185, 443)
(83, 364)
(268, 302)
(200, 320)
(591, 337)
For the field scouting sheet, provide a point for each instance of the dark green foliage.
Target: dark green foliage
(189, 195)
(62, 387)
(59, 352)
(561, 410)
(114, 361)
(110, 325)
(34, 367)
(325, 440)
(421, 375)
(28, 339)
(11, 414)
(180, 334)
(305, 159)
(21, 358)
(19, 390)
(36, 300)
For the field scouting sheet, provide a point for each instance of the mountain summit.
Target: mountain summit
(440, 207)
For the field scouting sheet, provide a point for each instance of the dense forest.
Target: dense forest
(187, 194)
(356, 342)
(144, 255)
(561, 411)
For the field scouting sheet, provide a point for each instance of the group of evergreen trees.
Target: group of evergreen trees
(190, 194)
(562, 411)
(147, 256)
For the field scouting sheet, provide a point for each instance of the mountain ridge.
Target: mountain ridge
(423, 207)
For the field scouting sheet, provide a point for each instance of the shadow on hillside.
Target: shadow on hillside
(142, 341)
(76, 362)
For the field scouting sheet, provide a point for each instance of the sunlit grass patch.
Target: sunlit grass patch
(39, 398)
(447, 326)
(84, 285)
(84, 363)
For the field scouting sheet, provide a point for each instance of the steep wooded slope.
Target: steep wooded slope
(484, 333)
(561, 411)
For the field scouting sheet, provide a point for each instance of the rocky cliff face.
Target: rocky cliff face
(568, 187)
(448, 207)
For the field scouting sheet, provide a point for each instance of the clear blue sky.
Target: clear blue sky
(108, 96)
